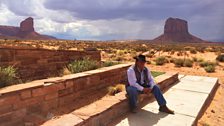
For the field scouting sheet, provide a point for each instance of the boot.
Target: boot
(165, 109)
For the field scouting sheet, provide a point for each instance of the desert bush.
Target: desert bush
(140, 48)
(82, 65)
(210, 68)
(160, 60)
(7, 76)
(171, 60)
(172, 52)
(118, 58)
(66, 71)
(180, 53)
(200, 49)
(112, 90)
(109, 63)
(188, 63)
(193, 51)
(210, 49)
(179, 62)
(196, 59)
(207, 63)
(220, 58)
(167, 49)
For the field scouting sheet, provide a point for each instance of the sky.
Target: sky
(115, 19)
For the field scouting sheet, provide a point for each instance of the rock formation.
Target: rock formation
(25, 31)
(176, 30)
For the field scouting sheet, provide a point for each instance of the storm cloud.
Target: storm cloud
(115, 19)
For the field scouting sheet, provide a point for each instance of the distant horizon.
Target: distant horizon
(115, 20)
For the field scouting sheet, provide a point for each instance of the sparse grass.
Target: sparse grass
(196, 59)
(188, 63)
(109, 63)
(85, 65)
(207, 63)
(112, 90)
(193, 51)
(183, 62)
(210, 68)
(7, 76)
(66, 71)
(156, 73)
(82, 65)
(179, 62)
(160, 60)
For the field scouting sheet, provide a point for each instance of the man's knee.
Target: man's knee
(156, 88)
(131, 90)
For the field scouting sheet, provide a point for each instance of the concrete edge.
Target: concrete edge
(207, 102)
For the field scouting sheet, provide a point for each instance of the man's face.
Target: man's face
(140, 64)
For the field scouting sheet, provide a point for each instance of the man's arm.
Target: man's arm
(151, 79)
(133, 80)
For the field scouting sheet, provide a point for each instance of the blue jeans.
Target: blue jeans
(133, 95)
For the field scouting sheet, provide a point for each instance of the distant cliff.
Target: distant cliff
(25, 31)
(176, 30)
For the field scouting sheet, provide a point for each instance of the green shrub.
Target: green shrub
(207, 63)
(118, 58)
(160, 60)
(179, 62)
(112, 90)
(188, 63)
(7, 76)
(109, 63)
(210, 68)
(172, 60)
(82, 65)
(195, 59)
(220, 58)
(172, 52)
(193, 51)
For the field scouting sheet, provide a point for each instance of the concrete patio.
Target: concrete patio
(188, 98)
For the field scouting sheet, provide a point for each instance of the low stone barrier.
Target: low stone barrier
(33, 63)
(103, 111)
(50, 95)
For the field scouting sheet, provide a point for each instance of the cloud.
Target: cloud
(132, 9)
(116, 19)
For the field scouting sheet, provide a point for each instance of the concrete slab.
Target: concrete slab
(187, 98)
(199, 78)
(197, 86)
(152, 117)
(184, 102)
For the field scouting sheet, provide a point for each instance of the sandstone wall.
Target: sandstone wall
(41, 63)
(21, 102)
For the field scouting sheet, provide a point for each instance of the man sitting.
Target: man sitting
(140, 80)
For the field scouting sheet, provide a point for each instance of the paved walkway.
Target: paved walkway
(186, 97)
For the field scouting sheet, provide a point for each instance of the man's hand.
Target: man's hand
(147, 90)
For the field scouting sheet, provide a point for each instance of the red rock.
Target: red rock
(27, 25)
(25, 31)
(176, 30)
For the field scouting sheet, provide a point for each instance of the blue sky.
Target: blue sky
(115, 19)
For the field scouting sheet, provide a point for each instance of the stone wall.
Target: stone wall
(20, 102)
(41, 63)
